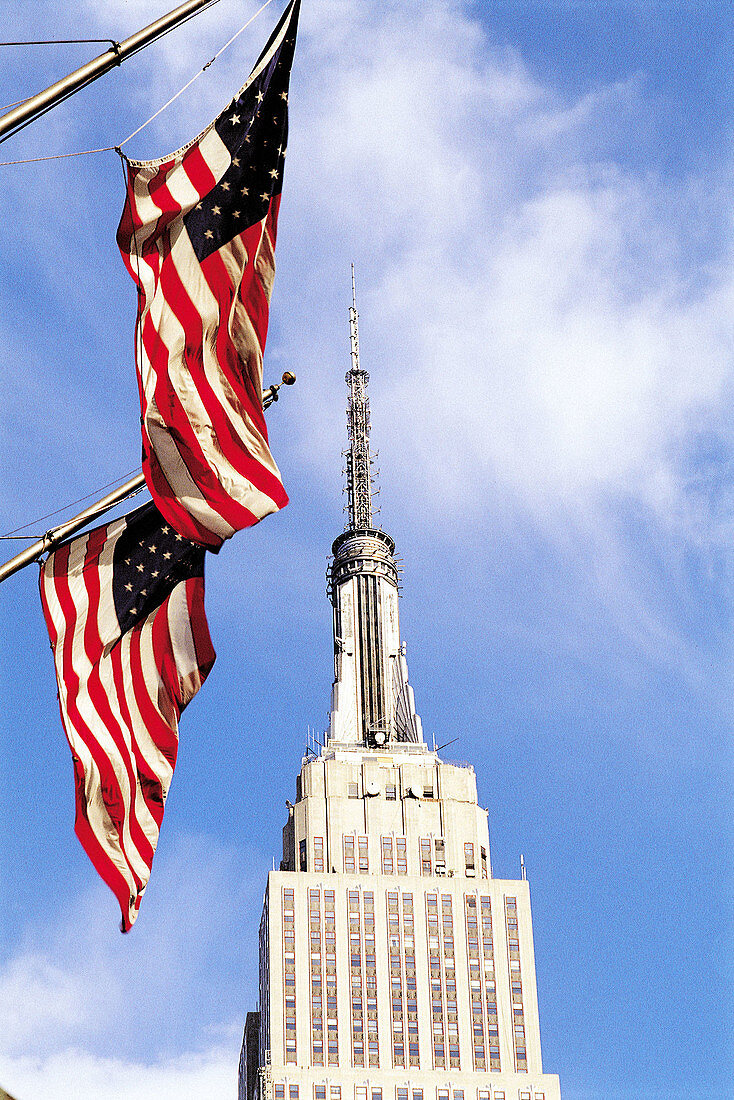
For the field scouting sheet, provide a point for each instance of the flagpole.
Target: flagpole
(58, 534)
(130, 488)
(38, 104)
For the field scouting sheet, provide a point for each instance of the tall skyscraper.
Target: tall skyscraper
(393, 966)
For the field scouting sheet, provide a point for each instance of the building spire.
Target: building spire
(359, 459)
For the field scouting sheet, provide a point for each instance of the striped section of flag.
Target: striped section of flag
(124, 607)
(198, 235)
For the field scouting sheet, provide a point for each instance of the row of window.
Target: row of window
(375, 1092)
(289, 973)
(516, 990)
(394, 856)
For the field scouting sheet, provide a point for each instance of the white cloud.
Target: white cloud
(79, 985)
(75, 1074)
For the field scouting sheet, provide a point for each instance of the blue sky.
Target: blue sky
(536, 197)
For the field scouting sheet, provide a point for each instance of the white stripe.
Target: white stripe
(182, 644)
(150, 752)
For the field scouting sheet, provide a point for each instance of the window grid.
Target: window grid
(349, 865)
(490, 987)
(317, 1004)
(479, 1050)
(364, 857)
(332, 1036)
(289, 988)
(449, 962)
(411, 994)
(516, 990)
(355, 973)
(370, 982)
(318, 853)
(425, 854)
(388, 865)
(402, 854)
(435, 979)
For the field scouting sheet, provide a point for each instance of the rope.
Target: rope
(59, 42)
(196, 75)
(59, 156)
(116, 148)
(64, 507)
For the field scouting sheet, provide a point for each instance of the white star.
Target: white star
(155, 573)
(265, 196)
(127, 561)
(198, 206)
(284, 96)
(274, 173)
(236, 214)
(225, 187)
(152, 549)
(209, 235)
(235, 162)
(142, 542)
(133, 610)
(166, 555)
(216, 210)
(140, 569)
(128, 588)
(165, 530)
(260, 97)
(245, 191)
(143, 591)
(179, 538)
(234, 119)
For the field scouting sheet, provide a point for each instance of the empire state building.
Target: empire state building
(393, 966)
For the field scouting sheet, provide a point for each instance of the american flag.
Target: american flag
(124, 607)
(198, 237)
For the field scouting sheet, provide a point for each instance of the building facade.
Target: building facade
(393, 966)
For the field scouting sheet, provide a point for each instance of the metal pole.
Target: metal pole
(76, 80)
(134, 485)
(58, 534)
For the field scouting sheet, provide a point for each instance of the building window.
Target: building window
(428, 790)
(483, 854)
(425, 850)
(387, 859)
(318, 853)
(336, 1092)
(349, 866)
(391, 792)
(469, 858)
(302, 855)
(364, 859)
(402, 855)
(293, 1092)
(280, 1092)
(319, 1092)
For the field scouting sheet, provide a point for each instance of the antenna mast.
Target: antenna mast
(359, 459)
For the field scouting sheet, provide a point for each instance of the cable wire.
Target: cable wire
(71, 504)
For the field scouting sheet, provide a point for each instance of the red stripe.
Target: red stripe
(150, 782)
(228, 360)
(99, 857)
(205, 655)
(197, 170)
(185, 439)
